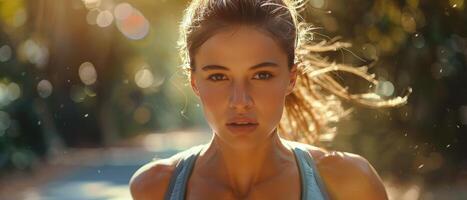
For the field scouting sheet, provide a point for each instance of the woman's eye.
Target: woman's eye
(263, 75)
(216, 77)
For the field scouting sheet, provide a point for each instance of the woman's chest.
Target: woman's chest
(286, 187)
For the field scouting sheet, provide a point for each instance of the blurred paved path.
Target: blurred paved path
(98, 174)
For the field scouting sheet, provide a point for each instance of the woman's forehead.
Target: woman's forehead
(240, 44)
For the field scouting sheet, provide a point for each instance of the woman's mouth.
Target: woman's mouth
(242, 127)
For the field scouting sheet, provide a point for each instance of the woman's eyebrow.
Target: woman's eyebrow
(219, 67)
(214, 67)
(264, 64)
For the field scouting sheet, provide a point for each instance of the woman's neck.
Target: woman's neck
(241, 169)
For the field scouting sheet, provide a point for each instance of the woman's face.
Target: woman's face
(241, 75)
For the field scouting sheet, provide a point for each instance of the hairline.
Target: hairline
(236, 26)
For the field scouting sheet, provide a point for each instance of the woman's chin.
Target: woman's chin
(241, 141)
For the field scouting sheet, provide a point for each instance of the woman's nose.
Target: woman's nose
(240, 97)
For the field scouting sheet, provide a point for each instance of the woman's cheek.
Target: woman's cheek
(270, 101)
(212, 99)
(211, 95)
(272, 92)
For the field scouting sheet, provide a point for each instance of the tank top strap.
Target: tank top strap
(313, 187)
(179, 178)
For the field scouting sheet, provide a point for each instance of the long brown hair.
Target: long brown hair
(317, 98)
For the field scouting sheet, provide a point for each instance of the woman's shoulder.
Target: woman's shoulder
(346, 175)
(151, 181)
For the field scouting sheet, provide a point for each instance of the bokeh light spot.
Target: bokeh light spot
(457, 4)
(144, 78)
(408, 22)
(317, 3)
(142, 115)
(35, 52)
(5, 53)
(385, 88)
(87, 73)
(104, 18)
(92, 4)
(44, 88)
(123, 11)
(14, 91)
(19, 18)
(369, 51)
(13, 13)
(135, 26)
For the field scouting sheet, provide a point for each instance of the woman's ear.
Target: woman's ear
(193, 84)
(292, 78)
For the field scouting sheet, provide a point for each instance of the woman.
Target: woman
(248, 60)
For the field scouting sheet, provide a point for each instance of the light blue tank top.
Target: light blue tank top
(311, 183)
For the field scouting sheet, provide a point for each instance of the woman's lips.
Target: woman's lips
(242, 128)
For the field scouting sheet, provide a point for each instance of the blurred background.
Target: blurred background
(90, 90)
